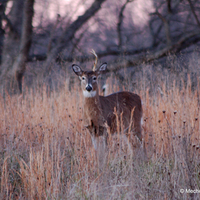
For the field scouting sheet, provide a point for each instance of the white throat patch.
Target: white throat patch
(89, 94)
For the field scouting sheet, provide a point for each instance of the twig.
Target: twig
(193, 11)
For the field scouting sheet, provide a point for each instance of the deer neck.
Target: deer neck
(93, 113)
(92, 102)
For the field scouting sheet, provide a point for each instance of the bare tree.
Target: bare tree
(168, 32)
(70, 31)
(18, 68)
(119, 24)
(194, 13)
(13, 27)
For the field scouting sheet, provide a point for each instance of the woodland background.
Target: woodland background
(152, 49)
(42, 38)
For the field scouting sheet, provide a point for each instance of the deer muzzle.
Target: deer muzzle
(88, 88)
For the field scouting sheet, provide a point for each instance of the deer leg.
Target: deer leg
(95, 138)
(93, 132)
(95, 142)
(138, 129)
(138, 132)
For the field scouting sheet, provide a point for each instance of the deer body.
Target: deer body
(100, 110)
(124, 102)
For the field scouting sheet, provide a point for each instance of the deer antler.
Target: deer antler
(96, 58)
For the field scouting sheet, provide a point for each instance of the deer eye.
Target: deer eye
(94, 78)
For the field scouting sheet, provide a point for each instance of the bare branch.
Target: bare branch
(72, 29)
(193, 11)
(146, 58)
(4, 17)
(169, 6)
(119, 24)
(52, 33)
(167, 28)
(138, 56)
(155, 33)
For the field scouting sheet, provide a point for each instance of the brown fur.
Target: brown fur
(100, 110)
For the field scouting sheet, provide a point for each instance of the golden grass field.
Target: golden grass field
(46, 153)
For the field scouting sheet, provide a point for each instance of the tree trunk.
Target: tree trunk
(2, 16)
(11, 44)
(18, 68)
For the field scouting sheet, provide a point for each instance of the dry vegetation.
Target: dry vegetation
(46, 153)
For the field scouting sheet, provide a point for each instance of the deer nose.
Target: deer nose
(88, 88)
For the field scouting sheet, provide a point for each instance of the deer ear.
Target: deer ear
(77, 70)
(102, 69)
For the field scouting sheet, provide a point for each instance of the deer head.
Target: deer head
(89, 79)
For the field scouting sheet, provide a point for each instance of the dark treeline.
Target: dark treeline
(111, 28)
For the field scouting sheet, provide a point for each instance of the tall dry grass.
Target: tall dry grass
(46, 152)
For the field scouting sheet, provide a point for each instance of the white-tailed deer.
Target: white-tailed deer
(100, 110)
